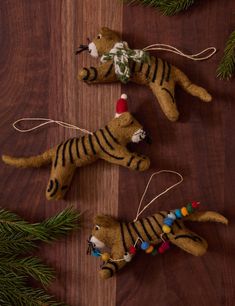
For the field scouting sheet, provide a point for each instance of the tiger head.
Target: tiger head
(126, 129)
(103, 42)
(124, 126)
(104, 231)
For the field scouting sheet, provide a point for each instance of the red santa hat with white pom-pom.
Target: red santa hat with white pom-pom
(121, 106)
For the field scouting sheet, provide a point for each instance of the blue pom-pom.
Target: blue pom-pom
(144, 245)
(168, 221)
(95, 253)
(178, 213)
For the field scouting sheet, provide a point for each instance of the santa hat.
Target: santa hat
(121, 106)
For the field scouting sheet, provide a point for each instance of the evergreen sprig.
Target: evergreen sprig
(28, 266)
(227, 64)
(167, 7)
(17, 237)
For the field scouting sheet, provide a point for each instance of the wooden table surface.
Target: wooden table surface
(38, 79)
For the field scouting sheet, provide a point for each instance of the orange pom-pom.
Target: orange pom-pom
(184, 211)
(149, 249)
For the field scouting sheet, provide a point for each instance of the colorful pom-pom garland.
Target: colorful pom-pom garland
(178, 214)
(149, 248)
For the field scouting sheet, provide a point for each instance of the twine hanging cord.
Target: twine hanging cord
(46, 121)
(194, 57)
(140, 211)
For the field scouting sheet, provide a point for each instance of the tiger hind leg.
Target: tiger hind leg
(189, 87)
(189, 242)
(59, 182)
(166, 97)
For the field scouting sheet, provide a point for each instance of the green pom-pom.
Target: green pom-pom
(190, 208)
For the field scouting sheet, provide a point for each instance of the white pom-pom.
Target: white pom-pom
(124, 96)
(127, 257)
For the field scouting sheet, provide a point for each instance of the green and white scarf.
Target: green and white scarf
(122, 55)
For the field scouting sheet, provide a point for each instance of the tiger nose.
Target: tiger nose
(148, 139)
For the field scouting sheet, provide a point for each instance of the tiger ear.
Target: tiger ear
(105, 221)
(109, 34)
(125, 119)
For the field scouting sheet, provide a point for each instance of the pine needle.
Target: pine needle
(12, 226)
(227, 64)
(29, 266)
(167, 7)
(18, 237)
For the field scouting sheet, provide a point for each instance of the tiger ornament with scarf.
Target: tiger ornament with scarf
(160, 76)
(162, 228)
(108, 143)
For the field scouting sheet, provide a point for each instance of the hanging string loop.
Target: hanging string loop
(195, 57)
(140, 211)
(46, 121)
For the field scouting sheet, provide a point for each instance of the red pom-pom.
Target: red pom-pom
(164, 247)
(132, 250)
(195, 204)
(121, 106)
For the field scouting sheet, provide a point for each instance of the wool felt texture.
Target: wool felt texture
(108, 143)
(159, 75)
(120, 236)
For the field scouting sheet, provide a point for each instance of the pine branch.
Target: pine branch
(29, 266)
(14, 291)
(167, 7)
(15, 243)
(19, 236)
(227, 64)
(61, 224)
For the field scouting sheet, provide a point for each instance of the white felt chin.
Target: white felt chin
(93, 50)
(138, 136)
(97, 243)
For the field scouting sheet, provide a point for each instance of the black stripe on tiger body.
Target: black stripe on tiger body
(108, 143)
(120, 236)
(156, 73)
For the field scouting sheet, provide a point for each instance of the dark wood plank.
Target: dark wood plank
(39, 79)
(200, 146)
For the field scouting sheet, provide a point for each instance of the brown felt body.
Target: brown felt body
(159, 75)
(119, 236)
(108, 143)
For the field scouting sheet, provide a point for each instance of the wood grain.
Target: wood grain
(198, 146)
(38, 71)
(38, 79)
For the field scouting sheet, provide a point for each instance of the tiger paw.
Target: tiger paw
(144, 164)
(83, 74)
(104, 274)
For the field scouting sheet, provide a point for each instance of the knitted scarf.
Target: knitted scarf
(122, 55)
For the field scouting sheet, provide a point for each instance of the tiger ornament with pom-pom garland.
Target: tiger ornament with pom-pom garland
(108, 143)
(153, 235)
(120, 63)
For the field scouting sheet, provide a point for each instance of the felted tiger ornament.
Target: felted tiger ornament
(108, 143)
(119, 62)
(153, 234)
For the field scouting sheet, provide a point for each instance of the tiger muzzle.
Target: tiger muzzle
(81, 49)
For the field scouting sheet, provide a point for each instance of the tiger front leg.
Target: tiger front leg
(137, 162)
(127, 159)
(104, 73)
(112, 266)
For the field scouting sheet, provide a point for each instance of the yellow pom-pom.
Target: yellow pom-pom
(105, 256)
(184, 211)
(166, 229)
(149, 249)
